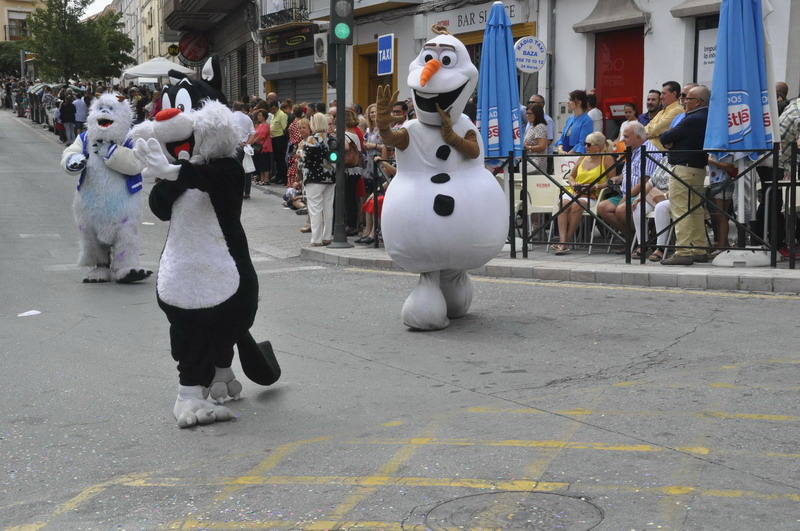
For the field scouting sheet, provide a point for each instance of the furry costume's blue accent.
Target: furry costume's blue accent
(134, 182)
(107, 205)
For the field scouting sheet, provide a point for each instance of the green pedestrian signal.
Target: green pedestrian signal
(333, 150)
(342, 21)
(342, 31)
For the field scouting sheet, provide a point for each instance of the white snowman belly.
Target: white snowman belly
(458, 224)
(196, 268)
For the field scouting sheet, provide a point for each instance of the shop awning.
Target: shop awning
(612, 15)
(298, 67)
(695, 8)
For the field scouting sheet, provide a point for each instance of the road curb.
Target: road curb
(657, 276)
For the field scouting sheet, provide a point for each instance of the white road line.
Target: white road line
(256, 259)
(43, 236)
(73, 267)
(277, 252)
(290, 269)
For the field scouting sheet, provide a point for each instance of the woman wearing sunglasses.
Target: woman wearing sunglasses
(586, 179)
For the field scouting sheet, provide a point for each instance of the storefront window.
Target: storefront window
(705, 48)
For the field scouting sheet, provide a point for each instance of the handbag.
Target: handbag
(257, 147)
(352, 155)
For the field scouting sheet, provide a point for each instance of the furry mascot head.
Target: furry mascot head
(194, 124)
(110, 119)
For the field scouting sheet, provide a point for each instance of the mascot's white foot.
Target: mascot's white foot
(98, 274)
(225, 385)
(426, 308)
(191, 408)
(456, 287)
(129, 276)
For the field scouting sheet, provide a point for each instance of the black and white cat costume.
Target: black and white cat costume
(206, 285)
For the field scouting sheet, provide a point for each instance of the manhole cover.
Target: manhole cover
(515, 510)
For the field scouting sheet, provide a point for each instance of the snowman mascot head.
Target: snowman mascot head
(442, 75)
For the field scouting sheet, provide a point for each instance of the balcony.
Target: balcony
(280, 15)
(197, 15)
(320, 9)
(15, 33)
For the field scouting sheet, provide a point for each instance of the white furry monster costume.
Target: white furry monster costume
(444, 212)
(207, 285)
(108, 202)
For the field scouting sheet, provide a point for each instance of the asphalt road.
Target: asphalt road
(550, 406)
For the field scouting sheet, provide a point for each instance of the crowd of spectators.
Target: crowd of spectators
(287, 144)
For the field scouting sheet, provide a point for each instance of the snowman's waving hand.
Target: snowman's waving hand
(466, 145)
(394, 138)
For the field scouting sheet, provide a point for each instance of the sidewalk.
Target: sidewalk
(599, 267)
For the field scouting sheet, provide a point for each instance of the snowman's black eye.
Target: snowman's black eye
(428, 57)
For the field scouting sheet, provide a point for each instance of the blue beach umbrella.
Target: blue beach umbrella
(743, 110)
(498, 92)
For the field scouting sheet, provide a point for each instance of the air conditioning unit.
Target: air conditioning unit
(321, 47)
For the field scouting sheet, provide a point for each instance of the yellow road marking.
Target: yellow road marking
(712, 385)
(234, 485)
(581, 411)
(748, 416)
(393, 423)
(27, 527)
(82, 497)
(547, 444)
(316, 525)
(388, 469)
(518, 485)
(274, 458)
(607, 287)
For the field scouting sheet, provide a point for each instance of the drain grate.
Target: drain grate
(515, 510)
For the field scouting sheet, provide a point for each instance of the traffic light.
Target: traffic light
(342, 22)
(333, 153)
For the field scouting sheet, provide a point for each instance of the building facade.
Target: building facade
(131, 18)
(14, 14)
(624, 48)
(155, 37)
(227, 29)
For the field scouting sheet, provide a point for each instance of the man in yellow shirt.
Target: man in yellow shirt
(277, 130)
(661, 122)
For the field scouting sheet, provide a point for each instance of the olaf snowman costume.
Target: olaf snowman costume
(206, 285)
(444, 213)
(108, 201)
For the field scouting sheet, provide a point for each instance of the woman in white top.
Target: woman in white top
(630, 116)
(536, 136)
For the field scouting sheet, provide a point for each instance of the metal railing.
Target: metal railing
(292, 11)
(696, 200)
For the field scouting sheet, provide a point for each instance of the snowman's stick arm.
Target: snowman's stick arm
(466, 145)
(396, 138)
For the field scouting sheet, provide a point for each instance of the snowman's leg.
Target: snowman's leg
(425, 308)
(456, 287)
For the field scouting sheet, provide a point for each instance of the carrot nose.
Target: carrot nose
(166, 114)
(430, 68)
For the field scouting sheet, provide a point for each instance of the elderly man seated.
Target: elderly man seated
(613, 210)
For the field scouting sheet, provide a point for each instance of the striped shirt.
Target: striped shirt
(636, 165)
(789, 126)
